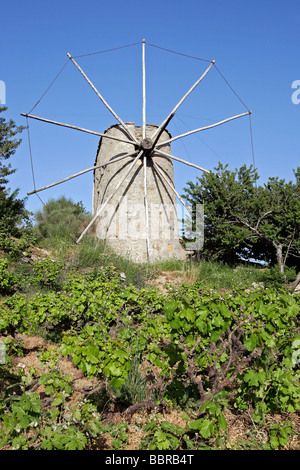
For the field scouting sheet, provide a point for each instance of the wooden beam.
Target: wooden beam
(146, 208)
(159, 170)
(161, 128)
(165, 154)
(102, 99)
(164, 124)
(144, 91)
(77, 128)
(203, 128)
(81, 173)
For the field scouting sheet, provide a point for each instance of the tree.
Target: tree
(276, 221)
(61, 218)
(221, 191)
(244, 220)
(8, 146)
(12, 209)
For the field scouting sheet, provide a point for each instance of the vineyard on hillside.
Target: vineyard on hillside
(92, 361)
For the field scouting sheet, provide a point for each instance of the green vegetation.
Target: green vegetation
(98, 357)
(245, 220)
(194, 350)
(13, 214)
(61, 220)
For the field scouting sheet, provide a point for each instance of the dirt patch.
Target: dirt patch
(169, 278)
(243, 431)
(33, 346)
(36, 254)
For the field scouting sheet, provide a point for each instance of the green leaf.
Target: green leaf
(206, 428)
(176, 323)
(218, 320)
(194, 426)
(283, 440)
(203, 426)
(170, 308)
(201, 325)
(251, 342)
(117, 382)
(112, 369)
(215, 335)
(222, 422)
(58, 401)
(274, 442)
(91, 358)
(251, 377)
(188, 313)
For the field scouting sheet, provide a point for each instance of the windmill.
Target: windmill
(134, 197)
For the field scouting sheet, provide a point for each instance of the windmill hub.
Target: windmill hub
(147, 144)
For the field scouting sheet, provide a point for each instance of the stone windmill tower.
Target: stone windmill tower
(134, 196)
(123, 223)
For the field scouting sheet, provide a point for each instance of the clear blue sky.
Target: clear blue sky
(255, 45)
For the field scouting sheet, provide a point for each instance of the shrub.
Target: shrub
(48, 273)
(8, 280)
(61, 218)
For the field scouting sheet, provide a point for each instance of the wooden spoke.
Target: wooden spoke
(78, 128)
(164, 124)
(146, 208)
(144, 91)
(102, 99)
(145, 157)
(159, 170)
(165, 154)
(81, 173)
(203, 128)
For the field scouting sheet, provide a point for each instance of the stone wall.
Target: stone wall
(123, 222)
